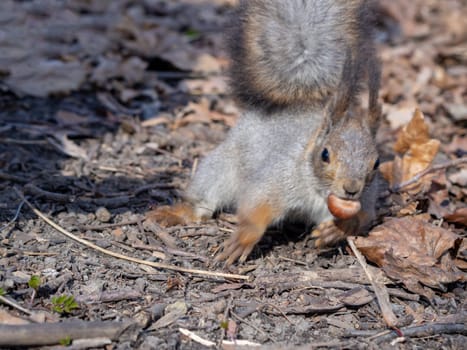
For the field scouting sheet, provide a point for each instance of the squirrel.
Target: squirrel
(301, 148)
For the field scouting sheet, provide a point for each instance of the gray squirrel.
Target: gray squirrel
(301, 148)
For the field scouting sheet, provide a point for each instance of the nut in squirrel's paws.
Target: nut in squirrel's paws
(328, 234)
(343, 208)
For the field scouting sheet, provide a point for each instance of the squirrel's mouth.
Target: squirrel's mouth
(343, 208)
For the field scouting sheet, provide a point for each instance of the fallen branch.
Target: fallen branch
(425, 330)
(128, 258)
(380, 291)
(429, 170)
(53, 333)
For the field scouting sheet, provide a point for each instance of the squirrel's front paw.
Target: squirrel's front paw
(329, 233)
(178, 214)
(239, 245)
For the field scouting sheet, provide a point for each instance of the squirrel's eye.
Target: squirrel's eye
(376, 164)
(325, 155)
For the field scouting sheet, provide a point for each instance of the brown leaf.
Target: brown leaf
(414, 252)
(202, 113)
(356, 297)
(459, 216)
(415, 132)
(417, 159)
(418, 152)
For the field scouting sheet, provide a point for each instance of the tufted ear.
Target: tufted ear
(348, 89)
(374, 108)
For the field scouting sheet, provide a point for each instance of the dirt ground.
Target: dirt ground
(106, 108)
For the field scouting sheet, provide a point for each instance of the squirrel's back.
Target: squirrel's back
(292, 53)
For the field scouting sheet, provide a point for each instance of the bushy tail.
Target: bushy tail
(292, 52)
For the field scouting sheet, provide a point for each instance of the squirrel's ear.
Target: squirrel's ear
(348, 88)
(374, 108)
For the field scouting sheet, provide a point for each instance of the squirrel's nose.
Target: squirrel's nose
(352, 187)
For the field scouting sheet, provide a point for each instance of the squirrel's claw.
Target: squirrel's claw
(238, 247)
(328, 234)
(233, 250)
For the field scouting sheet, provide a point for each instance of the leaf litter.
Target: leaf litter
(109, 104)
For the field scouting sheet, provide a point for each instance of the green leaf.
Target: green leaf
(192, 34)
(64, 304)
(65, 341)
(34, 282)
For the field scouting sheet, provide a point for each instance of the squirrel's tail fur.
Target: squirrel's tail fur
(293, 52)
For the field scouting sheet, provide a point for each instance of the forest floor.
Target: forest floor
(106, 108)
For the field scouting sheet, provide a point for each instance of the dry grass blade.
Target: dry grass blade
(129, 258)
(379, 289)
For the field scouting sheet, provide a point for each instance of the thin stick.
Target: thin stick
(422, 331)
(430, 169)
(12, 221)
(196, 338)
(14, 305)
(380, 291)
(259, 330)
(128, 258)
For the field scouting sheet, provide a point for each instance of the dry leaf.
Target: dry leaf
(202, 113)
(67, 146)
(414, 252)
(415, 132)
(418, 152)
(459, 216)
(397, 116)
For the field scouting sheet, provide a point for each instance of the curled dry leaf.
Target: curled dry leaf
(417, 153)
(415, 253)
(415, 132)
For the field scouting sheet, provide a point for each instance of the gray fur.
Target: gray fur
(265, 159)
(298, 66)
(293, 52)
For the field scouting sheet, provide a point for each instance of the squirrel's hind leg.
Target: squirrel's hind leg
(213, 188)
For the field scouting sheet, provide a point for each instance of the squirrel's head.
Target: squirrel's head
(344, 157)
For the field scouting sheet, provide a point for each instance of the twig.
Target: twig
(252, 326)
(422, 331)
(278, 309)
(109, 296)
(51, 333)
(12, 221)
(128, 258)
(298, 262)
(106, 226)
(196, 338)
(14, 178)
(176, 252)
(56, 197)
(430, 169)
(379, 288)
(112, 202)
(14, 305)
